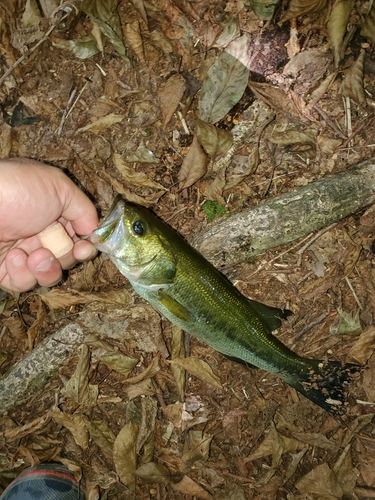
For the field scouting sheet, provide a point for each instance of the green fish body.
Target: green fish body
(189, 291)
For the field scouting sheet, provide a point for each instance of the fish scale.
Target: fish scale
(189, 291)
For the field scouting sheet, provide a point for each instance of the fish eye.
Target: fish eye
(138, 228)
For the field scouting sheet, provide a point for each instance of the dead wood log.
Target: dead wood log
(286, 218)
(32, 371)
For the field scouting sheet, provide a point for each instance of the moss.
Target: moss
(213, 209)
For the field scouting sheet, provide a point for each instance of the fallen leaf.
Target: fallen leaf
(102, 435)
(320, 481)
(369, 379)
(134, 38)
(352, 85)
(102, 124)
(363, 347)
(215, 141)
(83, 48)
(298, 8)
(124, 454)
(225, 82)
(119, 362)
(337, 25)
(170, 96)
(199, 369)
(143, 388)
(194, 165)
(148, 372)
(78, 387)
(230, 32)
(196, 447)
(368, 28)
(130, 175)
(30, 428)
(76, 425)
(178, 351)
(189, 487)
(153, 472)
(144, 155)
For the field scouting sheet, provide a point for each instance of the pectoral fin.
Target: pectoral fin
(174, 307)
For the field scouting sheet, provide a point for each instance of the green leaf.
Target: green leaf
(225, 82)
(83, 48)
(215, 141)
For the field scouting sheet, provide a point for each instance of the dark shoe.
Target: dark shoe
(51, 481)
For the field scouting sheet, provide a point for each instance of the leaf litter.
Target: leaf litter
(116, 87)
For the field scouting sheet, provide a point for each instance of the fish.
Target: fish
(184, 287)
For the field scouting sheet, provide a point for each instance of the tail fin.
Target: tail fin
(325, 383)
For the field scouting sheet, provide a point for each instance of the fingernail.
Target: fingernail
(19, 260)
(44, 265)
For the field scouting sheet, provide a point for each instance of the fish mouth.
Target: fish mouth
(109, 226)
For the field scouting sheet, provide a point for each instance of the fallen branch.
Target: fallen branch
(288, 217)
(32, 371)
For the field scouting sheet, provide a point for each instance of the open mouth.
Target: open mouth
(109, 223)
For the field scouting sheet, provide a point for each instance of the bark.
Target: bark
(286, 218)
(31, 372)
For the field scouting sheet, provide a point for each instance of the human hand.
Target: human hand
(32, 197)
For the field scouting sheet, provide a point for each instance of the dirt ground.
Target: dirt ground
(112, 95)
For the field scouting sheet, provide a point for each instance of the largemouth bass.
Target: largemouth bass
(186, 289)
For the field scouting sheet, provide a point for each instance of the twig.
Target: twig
(314, 238)
(64, 116)
(30, 51)
(353, 292)
(329, 122)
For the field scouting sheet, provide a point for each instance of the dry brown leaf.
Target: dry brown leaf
(153, 473)
(60, 299)
(215, 141)
(35, 328)
(322, 482)
(369, 379)
(136, 178)
(337, 25)
(352, 85)
(216, 188)
(149, 372)
(363, 347)
(147, 428)
(298, 8)
(178, 351)
(15, 325)
(346, 474)
(365, 448)
(102, 435)
(170, 96)
(196, 447)
(143, 388)
(194, 165)
(134, 38)
(124, 454)
(127, 193)
(29, 428)
(189, 487)
(78, 387)
(275, 444)
(119, 362)
(277, 99)
(5, 140)
(76, 425)
(199, 369)
(102, 123)
(368, 28)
